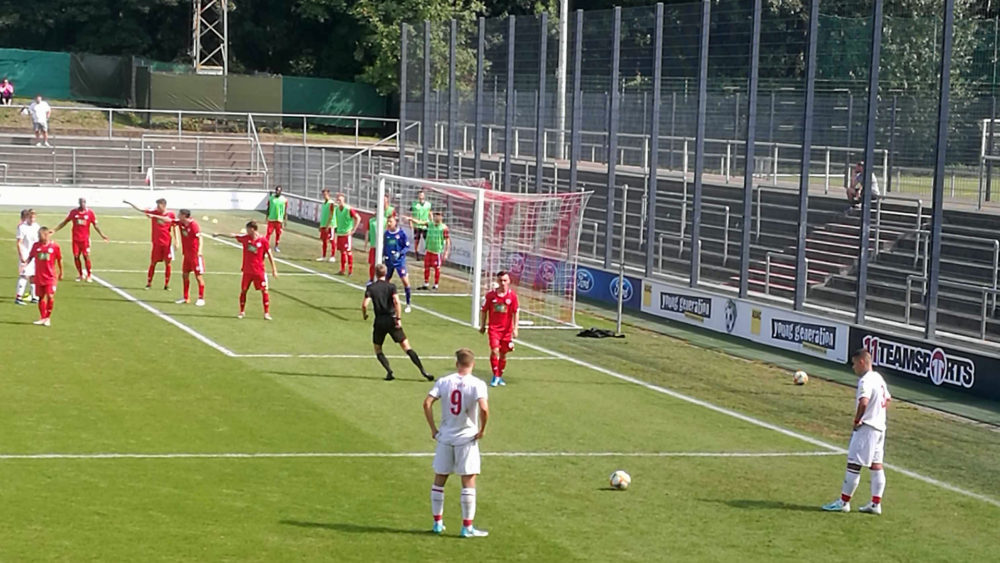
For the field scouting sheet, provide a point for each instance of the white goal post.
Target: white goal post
(534, 237)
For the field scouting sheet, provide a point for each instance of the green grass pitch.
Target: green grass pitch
(113, 376)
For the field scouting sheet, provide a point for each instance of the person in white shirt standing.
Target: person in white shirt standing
(40, 111)
(867, 446)
(27, 236)
(464, 412)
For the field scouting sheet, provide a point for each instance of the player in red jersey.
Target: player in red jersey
(255, 248)
(190, 234)
(47, 256)
(500, 309)
(163, 243)
(82, 219)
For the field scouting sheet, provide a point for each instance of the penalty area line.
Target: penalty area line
(370, 356)
(391, 455)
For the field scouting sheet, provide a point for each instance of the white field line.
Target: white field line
(370, 356)
(390, 455)
(199, 336)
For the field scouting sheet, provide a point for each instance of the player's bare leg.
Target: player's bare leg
(405, 345)
(384, 361)
(437, 502)
(469, 508)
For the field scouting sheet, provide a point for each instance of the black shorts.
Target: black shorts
(386, 326)
(419, 233)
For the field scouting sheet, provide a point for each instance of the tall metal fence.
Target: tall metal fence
(663, 92)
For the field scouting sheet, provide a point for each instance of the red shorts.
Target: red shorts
(259, 282)
(161, 253)
(46, 289)
(325, 234)
(273, 226)
(194, 264)
(371, 255)
(81, 247)
(344, 243)
(432, 260)
(504, 341)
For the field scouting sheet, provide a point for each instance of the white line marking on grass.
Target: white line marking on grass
(199, 336)
(677, 395)
(389, 455)
(370, 356)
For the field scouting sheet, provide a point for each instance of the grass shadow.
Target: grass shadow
(763, 504)
(351, 528)
(341, 376)
(300, 301)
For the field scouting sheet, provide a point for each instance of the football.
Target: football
(620, 480)
(800, 378)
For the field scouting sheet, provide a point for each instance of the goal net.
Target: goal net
(533, 237)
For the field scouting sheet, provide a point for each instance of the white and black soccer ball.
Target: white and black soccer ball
(620, 480)
(800, 378)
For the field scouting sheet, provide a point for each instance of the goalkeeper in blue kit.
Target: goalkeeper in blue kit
(395, 243)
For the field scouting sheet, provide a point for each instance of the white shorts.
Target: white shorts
(460, 460)
(867, 446)
(28, 270)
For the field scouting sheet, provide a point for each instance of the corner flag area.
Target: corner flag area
(135, 427)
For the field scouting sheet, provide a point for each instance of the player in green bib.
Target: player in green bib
(438, 246)
(420, 218)
(326, 223)
(276, 205)
(345, 221)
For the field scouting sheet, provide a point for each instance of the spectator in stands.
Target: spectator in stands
(6, 92)
(40, 111)
(856, 189)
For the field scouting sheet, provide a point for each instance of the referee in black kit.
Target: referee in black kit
(385, 302)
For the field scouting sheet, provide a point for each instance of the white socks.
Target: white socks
(22, 284)
(468, 506)
(878, 485)
(437, 501)
(851, 480)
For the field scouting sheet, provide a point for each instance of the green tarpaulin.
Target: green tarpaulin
(325, 96)
(258, 93)
(37, 72)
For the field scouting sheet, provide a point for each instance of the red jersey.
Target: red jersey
(501, 310)
(45, 256)
(253, 254)
(162, 223)
(190, 241)
(82, 220)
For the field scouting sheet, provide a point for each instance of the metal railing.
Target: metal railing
(993, 244)
(61, 163)
(4, 166)
(768, 258)
(877, 223)
(202, 143)
(180, 115)
(211, 178)
(259, 160)
(983, 290)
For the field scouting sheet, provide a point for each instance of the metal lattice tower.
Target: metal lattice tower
(210, 46)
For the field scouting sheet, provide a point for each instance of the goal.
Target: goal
(534, 237)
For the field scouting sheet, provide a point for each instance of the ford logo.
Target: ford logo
(584, 280)
(627, 286)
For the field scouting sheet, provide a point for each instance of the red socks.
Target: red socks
(201, 291)
(187, 288)
(502, 364)
(495, 365)
(166, 275)
(437, 276)
(266, 297)
(90, 270)
(243, 301)
(76, 261)
(149, 274)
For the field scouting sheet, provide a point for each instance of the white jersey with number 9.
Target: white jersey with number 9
(459, 396)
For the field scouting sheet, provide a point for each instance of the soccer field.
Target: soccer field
(138, 429)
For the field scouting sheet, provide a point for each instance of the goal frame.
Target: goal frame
(477, 256)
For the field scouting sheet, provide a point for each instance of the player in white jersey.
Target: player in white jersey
(27, 236)
(867, 446)
(464, 412)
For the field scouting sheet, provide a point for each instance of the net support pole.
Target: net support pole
(380, 219)
(807, 127)
(621, 264)
(749, 151)
(577, 119)
(869, 169)
(452, 99)
(612, 156)
(477, 256)
(401, 131)
(654, 140)
(508, 120)
(428, 128)
(543, 36)
(937, 197)
(699, 143)
(477, 134)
